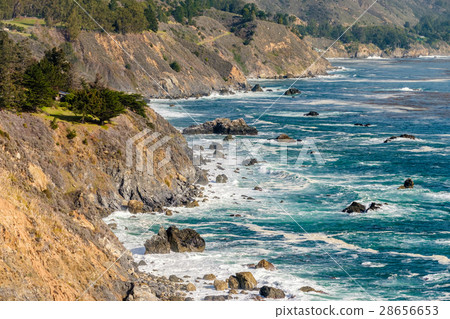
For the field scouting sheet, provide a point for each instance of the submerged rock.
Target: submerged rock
(229, 137)
(158, 244)
(222, 126)
(355, 207)
(185, 240)
(360, 124)
(246, 280)
(374, 206)
(292, 91)
(271, 292)
(311, 289)
(284, 138)
(408, 136)
(257, 88)
(312, 113)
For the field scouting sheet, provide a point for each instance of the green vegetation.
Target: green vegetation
(71, 134)
(31, 86)
(175, 66)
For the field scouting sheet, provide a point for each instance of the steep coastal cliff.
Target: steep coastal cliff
(210, 57)
(55, 190)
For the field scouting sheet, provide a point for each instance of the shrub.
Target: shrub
(71, 134)
(175, 66)
(54, 124)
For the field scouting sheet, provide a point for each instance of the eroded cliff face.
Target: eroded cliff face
(359, 50)
(211, 56)
(54, 192)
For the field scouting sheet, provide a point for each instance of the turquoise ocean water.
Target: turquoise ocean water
(400, 252)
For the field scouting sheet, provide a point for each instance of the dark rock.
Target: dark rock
(408, 136)
(257, 88)
(284, 138)
(409, 183)
(292, 91)
(246, 280)
(158, 244)
(222, 126)
(271, 292)
(374, 206)
(257, 188)
(312, 113)
(360, 124)
(185, 240)
(355, 207)
(222, 178)
(142, 263)
(265, 264)
(250, 162)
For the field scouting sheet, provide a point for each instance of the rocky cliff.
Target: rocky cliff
(359, 50)
(217, 53)
(54, 192)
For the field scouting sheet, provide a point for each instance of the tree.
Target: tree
(14, 59)
(150, 14)
(73, 25)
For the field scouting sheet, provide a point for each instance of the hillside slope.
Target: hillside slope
(346, 11)
(210, 55)
(55, 190)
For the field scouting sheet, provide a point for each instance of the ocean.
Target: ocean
(399, 252)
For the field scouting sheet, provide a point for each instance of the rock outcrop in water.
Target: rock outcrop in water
(355, 207)
(257, 88)
(409, 183)
(312, 113)
(292, 91)
(271, 292)
(408, 136)
(246, 280)
(158, 244)
(222, 126)
(185, 240)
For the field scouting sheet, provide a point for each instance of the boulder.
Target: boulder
(292, 91)
(158, 244)
(271, 292)
(220, 284)
(185, 240)
(222, 178)
(355, 207)
(190, 287)
(209, 277)
(265, 264)
(257, 188)
(250, 162)
(202, 177)
(222, 126)
(312, 113)
(246, 280)
(408, 136)
(257, 88)
(215, 146)
(284, 138)
(135, 206)
(233, 283)
(113, 226)
(408, 183)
